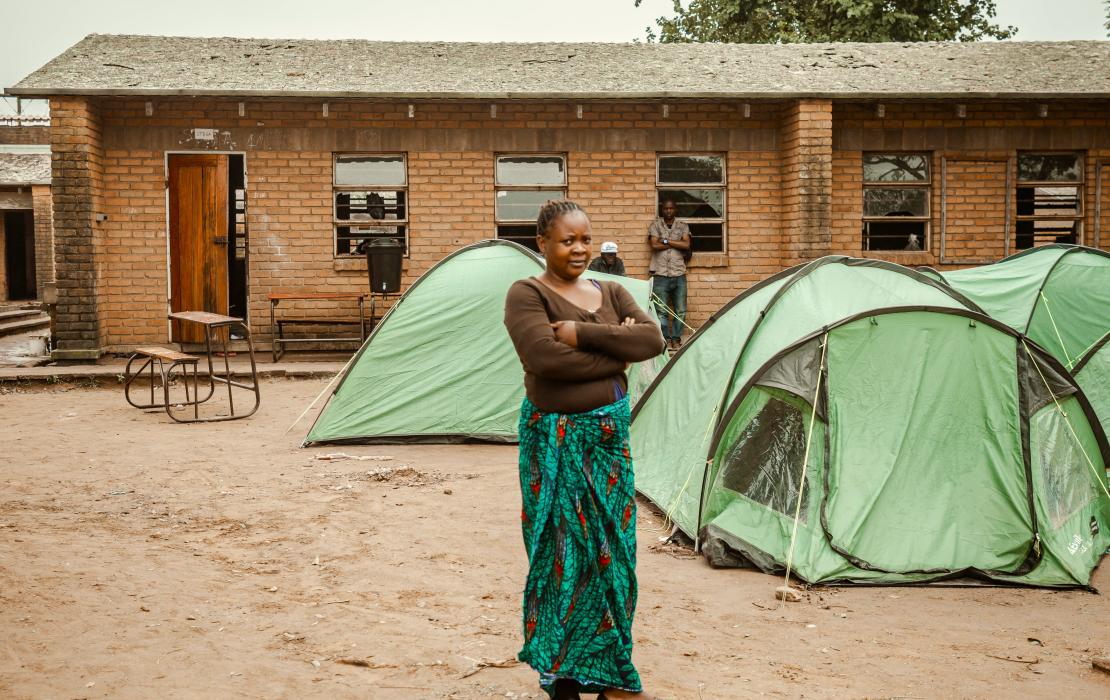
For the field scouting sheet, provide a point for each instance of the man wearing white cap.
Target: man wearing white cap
(608, 262)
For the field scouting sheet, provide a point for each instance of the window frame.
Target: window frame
(926, 185)
(660, 186)
(498, 222)
(336, 188)
(1079, 184)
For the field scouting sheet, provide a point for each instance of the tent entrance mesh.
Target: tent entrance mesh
(763, 463)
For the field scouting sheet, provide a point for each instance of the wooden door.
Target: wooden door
(198, 239)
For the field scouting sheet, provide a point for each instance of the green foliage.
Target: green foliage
(795, 21)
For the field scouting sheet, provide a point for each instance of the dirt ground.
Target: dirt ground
(141, 558)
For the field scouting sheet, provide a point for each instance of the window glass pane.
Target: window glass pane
(1048, 201)
(706, 237)
(895, 167)
(894, 235)
(523, 234)
(523, 205)
(531, 170)
(382, 205)
(370, 170)
(678, 170)
(694, 203)
(349, 240)
(902, 201)
(1050, 167)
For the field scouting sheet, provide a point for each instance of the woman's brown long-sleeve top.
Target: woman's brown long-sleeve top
(561, 379)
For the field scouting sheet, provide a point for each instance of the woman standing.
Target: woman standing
(575, 338)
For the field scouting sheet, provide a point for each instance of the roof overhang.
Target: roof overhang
(43, 93)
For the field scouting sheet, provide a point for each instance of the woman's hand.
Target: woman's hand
(566, 332)
(628, 321)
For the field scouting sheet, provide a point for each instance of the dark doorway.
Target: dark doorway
(237, 232)
(19, 254)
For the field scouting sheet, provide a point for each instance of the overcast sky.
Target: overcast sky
(38, 30)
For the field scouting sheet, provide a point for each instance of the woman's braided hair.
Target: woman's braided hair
(550, 212)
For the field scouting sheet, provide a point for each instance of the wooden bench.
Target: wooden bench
(167, 361)
(277, 325)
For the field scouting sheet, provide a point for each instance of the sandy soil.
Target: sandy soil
(141, 558)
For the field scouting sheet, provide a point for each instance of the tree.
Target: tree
(794, 21)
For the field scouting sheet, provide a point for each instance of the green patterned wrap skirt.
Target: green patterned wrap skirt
(579, 523)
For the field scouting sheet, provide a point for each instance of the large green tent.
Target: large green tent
(1059, 296)
(439, 366)
(936, 442)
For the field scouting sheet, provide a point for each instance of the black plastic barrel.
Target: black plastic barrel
(383, 260)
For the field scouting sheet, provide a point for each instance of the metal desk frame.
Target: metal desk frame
(213, 322)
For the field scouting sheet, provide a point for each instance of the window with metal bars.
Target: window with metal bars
(522, 183)
(369, 200)
(1049, 199)
(896, 197)
(695, 182)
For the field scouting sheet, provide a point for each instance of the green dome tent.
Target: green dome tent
(1059, 296)
(439, 366)
(932, 436)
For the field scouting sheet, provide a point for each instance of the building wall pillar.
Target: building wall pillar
(77, 172)
(806, 136)
(44, 237)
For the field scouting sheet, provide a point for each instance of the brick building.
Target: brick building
(925, 154)
(26, 233)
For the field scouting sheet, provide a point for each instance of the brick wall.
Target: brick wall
(451, 150)
(450, 205)
(617, 189)
(44, 236)
(24, 135)
(289, 223)
(794, 185)
(974, 149)
(134, 275)
(976, 220)
(75, 132)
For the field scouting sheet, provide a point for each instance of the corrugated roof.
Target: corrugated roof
(18, 169)
(153, 65)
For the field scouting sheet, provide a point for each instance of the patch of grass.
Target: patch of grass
(87, 383)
